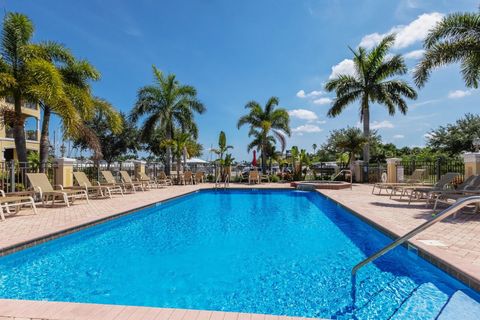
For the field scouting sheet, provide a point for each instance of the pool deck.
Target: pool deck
(454, 245)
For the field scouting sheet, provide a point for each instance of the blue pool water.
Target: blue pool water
(275, 252)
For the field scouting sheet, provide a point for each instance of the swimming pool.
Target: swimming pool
(260, 251)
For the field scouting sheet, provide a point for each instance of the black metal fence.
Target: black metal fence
(433, 169)
(13, 174)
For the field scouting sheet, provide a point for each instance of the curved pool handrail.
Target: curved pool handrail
(346, 171)
(439, 217)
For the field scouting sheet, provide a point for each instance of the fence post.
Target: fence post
(438, 169)
(12, 175)
(64, 171)
(139, 167)
(358, 170)
(471, 162)
(392, 169)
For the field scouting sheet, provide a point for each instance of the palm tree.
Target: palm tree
(180, 145)
(455, 39)
(78, 106)
(352, 142)
(372, 83)
(25, 75)
(222, 145)
(166, 105)
(263, 121)
(314, 147)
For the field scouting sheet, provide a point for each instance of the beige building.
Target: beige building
(32, 129)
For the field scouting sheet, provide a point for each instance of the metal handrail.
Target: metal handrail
(439, 217)
(346, 171)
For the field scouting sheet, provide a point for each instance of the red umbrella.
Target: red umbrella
(254, 161)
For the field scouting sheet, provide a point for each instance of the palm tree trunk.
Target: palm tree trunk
(168, 156)
(366, 131)
(19, 131)
(44, 141)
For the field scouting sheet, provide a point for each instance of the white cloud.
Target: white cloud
(458, 94)
(301, 94)
(315, 93)
(322, 101)
(303, 114)
(415, 54)
(408, 34)
(306, 128)
(398, 136)
(344, 67)
(385, 124)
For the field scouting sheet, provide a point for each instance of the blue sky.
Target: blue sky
(237, 51)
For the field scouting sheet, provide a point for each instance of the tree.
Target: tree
(167, 104)
(455, 138)
(180, 144)
(349, 140)
(262, 122)
(314, 147)
(113, 145)
(222, 145)
(455, 39)
(372, 83)
(24, 74)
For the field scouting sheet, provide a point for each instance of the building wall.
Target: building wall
(8, 142)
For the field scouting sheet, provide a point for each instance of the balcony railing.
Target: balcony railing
(29, 134)
(28, 105)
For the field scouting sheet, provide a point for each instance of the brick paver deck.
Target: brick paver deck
(455, 242)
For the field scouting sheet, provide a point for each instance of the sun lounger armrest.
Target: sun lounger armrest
(58, 187)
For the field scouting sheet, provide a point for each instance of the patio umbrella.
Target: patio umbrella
(254, 161)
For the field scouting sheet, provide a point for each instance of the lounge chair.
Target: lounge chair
(470, 187)
(101, 190)
(164, 179)
(426, 192)
(199, 177)
(129, 183)
(149, 183)
(111, 182)
(16, 200)
(417, 177)
(42, 186)
(188, 178)
(253, 177)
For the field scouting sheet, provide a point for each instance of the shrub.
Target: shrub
(274, 178)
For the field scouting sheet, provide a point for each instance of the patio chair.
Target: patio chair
(42, 186)
(199, 177)
(188, 178)
(470, 187)
(425, 192)
(417, 177)
(164, 179)
(16, 200)
(102, 191)
(129, 183)
(147, 181)
(111, 181)
(253, 177)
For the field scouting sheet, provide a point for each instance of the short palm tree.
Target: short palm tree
(372, 83)
(222, 145)
(351, 141)
(180, 146)
(25, 74)
(455, 39)
(167, 104)
(266, 123)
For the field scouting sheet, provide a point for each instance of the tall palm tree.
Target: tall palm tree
(455, 39)
(263, 121)
(167, 104)
(372, 83)
(24, 73)
(314, 147)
